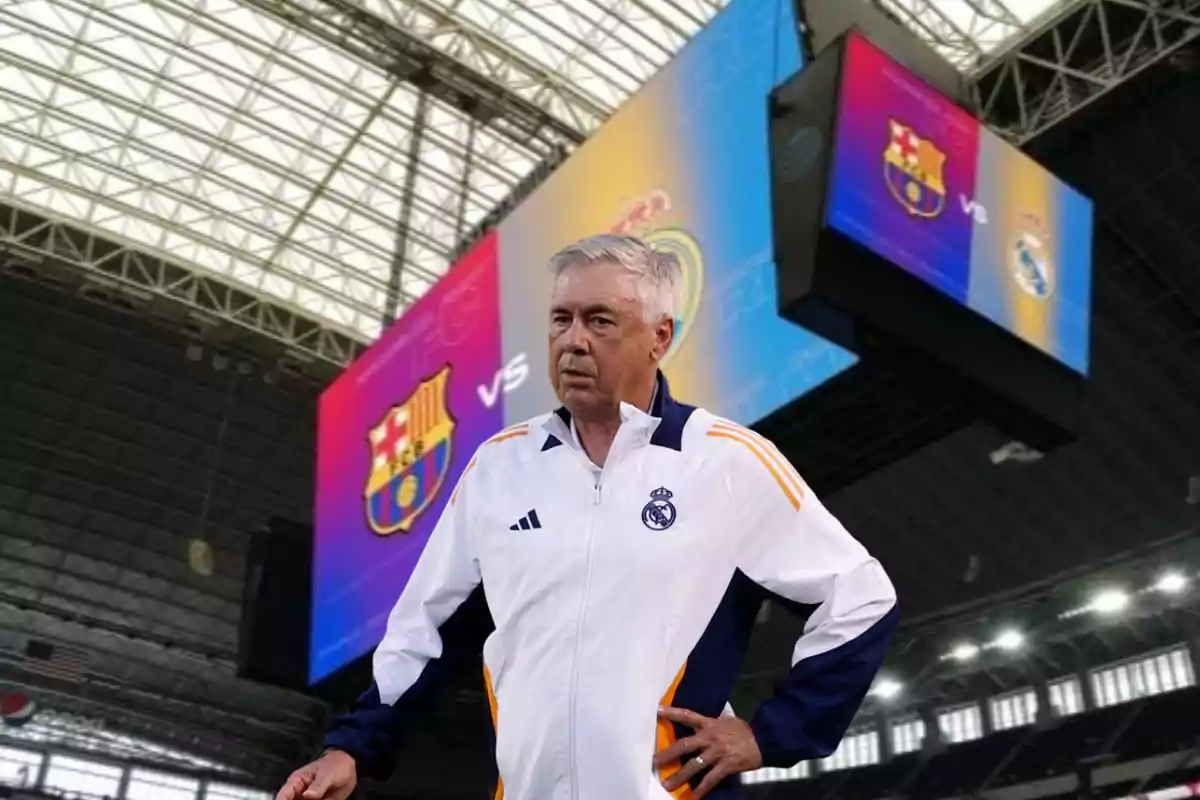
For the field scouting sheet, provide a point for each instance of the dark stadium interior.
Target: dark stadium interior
(132, 435)
(1123, 484)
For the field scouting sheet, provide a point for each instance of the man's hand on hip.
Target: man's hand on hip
(331, 777)
(722, 746)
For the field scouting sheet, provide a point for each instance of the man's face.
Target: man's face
(600, 343)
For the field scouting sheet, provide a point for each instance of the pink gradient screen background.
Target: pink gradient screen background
(357, 574)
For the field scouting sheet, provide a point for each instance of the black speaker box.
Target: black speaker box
(276, 605)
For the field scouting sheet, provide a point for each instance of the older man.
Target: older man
(624, 544)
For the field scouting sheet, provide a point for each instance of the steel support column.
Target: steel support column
(464, 186)
(391, 302)
(39, 781)
(123, 787)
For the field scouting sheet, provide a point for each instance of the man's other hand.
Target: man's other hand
(331, 777)
(723, 746)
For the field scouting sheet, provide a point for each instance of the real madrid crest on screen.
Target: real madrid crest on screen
(912, 168)
(649, 217)
(410, 456)
(1029, 258)
(659, 513)
(685, 248)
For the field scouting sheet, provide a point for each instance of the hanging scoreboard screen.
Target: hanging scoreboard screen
(949, 261)
(924, 184)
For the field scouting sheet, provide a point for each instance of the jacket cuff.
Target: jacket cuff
(778, 748)
(815, 704)
(354, 744)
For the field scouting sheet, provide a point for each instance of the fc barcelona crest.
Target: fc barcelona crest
(912, 168)
(410, 456)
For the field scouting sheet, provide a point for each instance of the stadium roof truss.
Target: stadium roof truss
(967, 32)
(313, 164)
(1076, 56)
(306, 150)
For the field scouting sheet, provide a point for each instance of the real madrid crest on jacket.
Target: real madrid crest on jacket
(659, 513)
(616, 591)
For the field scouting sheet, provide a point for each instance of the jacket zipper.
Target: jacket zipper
(583, 604)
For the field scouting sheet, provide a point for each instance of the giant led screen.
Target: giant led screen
(394, 432)
(924, 184)
(685, 164)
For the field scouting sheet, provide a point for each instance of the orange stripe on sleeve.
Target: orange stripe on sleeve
(491, 695)
(470, 466)
(510, 433)
(791, 484)
(770, 451)
(665, 737)
(507, 433)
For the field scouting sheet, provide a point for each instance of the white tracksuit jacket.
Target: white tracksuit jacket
(616, 592)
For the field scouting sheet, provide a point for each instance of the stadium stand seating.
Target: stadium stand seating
(1160, 729)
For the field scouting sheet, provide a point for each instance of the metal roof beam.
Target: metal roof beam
(930, 22)
(400, 53)
(32, 243)
(1081, 54)
(464, 184)
(395, 288)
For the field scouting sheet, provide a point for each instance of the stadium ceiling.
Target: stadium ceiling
(265, 161)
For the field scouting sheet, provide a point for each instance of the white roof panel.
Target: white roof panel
(218, 135)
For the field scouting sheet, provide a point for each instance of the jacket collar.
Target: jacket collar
(665, 419)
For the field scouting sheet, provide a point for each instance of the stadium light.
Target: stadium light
(1109, 601)
(964, 652)
(1010, 639)
(1172, 582)
(886, 688)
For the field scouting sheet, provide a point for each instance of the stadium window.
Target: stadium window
(224, 791)
(1066, 696)
(145, 784)
(19, 767)
(1143, 677)
(908, 735)
(1182, 667)
(68, 775)
(764, 775)
(856, 750)
(1162, 668)
(1013, 710)
(960, 724)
